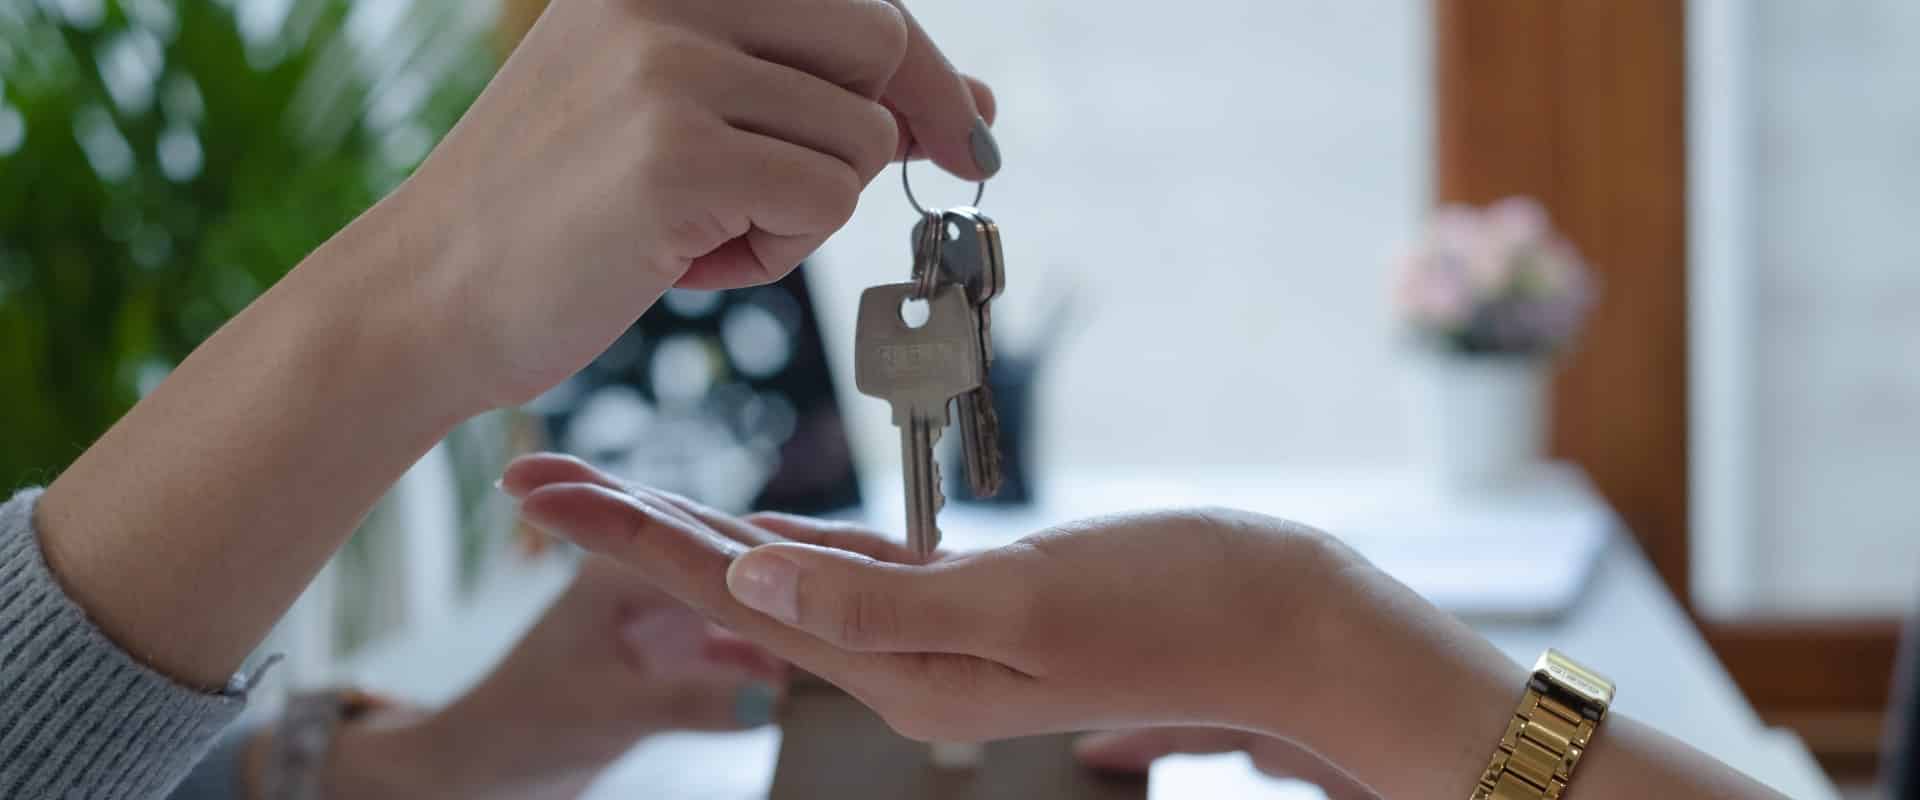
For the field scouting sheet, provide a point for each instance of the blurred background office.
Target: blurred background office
(1207, 214)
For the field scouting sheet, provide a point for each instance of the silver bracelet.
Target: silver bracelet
(303, 738)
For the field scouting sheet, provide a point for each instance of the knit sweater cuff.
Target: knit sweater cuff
(79, 716)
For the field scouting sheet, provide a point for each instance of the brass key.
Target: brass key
(970, 255)
(919, 370)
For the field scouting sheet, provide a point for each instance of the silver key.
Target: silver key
(919, 370)
(928, 234)
(972, 258)
(971, 255)
(980, 441)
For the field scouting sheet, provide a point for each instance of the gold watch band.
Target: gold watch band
(1563, 705)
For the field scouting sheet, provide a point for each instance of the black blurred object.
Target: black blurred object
(726, 397)
(1013, 377)
(1012, 381)
(1903, 743)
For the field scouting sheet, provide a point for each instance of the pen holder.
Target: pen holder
(1012, 380)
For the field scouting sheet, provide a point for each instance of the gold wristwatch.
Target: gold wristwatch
(1563, 705)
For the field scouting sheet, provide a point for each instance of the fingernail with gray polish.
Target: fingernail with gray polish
(753, 705)
(986, 151)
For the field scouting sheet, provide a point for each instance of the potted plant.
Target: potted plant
(162, 163)
(1492, 297)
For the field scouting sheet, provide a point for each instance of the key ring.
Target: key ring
(979, 189)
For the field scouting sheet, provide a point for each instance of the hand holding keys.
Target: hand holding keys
(958, 271)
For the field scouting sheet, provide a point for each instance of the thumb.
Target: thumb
(857, 603)
(944, 119)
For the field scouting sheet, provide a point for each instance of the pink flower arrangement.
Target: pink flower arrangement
(1494, 281)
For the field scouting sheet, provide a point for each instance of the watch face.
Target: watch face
(1594, 691)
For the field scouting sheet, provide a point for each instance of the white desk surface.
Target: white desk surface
(1626, 625)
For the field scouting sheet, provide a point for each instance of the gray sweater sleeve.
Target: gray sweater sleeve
(80, 717)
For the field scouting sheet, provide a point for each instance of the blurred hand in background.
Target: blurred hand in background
(612, 661)
(1135, 751)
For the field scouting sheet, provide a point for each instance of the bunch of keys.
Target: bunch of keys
(921, 370)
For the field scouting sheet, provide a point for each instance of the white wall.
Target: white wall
(1829, 295)
(1220, 184)
(1838, 105)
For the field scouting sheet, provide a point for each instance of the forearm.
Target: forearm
(374, 758)
(1436, 748)
(1426, 700)
(476, 748)
(192, 525)
(413, 754)
(1629, 759)
(1414, 701)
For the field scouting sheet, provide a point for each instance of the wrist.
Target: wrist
(375, 756)
(500, 321)
(477, 751)
(376, 289)
(1401, 695)
(250, 463)
(435, 756)
(1429, 734)
(391, 755)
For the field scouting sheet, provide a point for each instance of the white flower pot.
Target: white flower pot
(1480, 422)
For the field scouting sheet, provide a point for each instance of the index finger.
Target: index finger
(943, 118)
(681, 557)
(530, 472)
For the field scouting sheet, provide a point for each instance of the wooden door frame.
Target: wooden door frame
(1582, 104)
